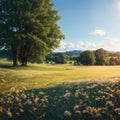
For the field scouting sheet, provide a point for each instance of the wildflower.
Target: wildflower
(77, 93)
(93, 111)
(41, 93)
(76, 107)
(109, 103)
(20, 104)
(78, 112)
(17, 99)
(1, 109)
(1, 100)
(12, 89)
(29, 102)
(43, 100)
(66, 95)
(17, 113)
(67, 113)
(118, 92)
(32, 95)
(21, 110)
(92, 86)
(81, 102)
(97, 98)
(44, 106)
(24, 96)
(34, 108)
(9, 113)
(98, 115)
(36, 100)
(103, 109)
(17, 91)
(24, 88)
(117, 110)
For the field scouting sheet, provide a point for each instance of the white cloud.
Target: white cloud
(98, 32)
(64, 46)
(67, 46)
(112, 44)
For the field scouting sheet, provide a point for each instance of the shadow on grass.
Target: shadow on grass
(78, 101)
(6, 66)
(10, 66)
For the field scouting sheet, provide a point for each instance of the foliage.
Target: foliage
(91, 100)
(61, 58)
(86, 58)
(58, 58)
(28, 29)
(102, 57)
(114, 61)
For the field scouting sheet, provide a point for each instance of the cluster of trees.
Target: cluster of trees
(28, 29)
(58, 58)
(115, 58)
(115, 61)
(98, 57)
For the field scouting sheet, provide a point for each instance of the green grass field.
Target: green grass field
(42, 75)
(59, 92)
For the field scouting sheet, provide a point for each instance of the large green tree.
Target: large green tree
(86, 58)
(29, 29)
(102, 57)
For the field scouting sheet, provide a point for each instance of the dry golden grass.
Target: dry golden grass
(42, 75)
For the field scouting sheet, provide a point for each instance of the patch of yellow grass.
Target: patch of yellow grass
(42, 75)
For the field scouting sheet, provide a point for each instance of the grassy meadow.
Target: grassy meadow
(59, 92)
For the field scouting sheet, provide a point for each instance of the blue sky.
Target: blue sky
(89, 24)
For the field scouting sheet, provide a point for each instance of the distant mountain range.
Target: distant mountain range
(77, 52)
(73, 52)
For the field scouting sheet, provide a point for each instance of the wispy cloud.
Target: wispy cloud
(67, 46)
(98, 32)
(112, 44)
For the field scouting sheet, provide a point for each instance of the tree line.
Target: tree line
(98, 57)
(87, 57)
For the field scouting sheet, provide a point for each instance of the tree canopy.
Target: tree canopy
(87, 58)
(28, 29)
(102, 57)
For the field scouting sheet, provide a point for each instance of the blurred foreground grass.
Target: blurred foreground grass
(89, 100)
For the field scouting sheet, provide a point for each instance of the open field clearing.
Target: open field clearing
(59, 92)
(42, 76)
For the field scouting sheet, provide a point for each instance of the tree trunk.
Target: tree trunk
(24, 61)
(15, 56)
(24, 56)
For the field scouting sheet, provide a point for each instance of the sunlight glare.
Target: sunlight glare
(118, 5)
